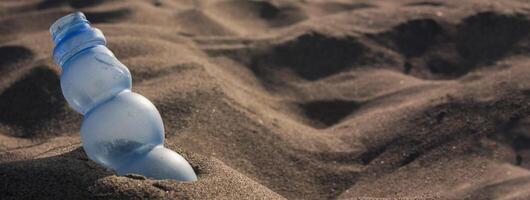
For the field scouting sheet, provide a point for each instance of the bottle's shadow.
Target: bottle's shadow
(65, 175)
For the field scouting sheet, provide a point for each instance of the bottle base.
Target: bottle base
(160, 163)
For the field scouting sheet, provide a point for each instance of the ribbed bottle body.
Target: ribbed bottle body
(121, 129)
(93, 76)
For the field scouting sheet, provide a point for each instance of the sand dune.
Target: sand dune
(285, 99)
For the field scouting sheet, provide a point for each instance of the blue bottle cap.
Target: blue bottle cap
(72, 34)
(65, 24)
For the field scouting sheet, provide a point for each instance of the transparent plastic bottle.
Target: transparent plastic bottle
(121, 130)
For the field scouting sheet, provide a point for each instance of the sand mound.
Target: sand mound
(285, 99)
(261, 15)
(88, 180)
(13, 54)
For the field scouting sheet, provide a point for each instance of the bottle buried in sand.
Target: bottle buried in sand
(121, 130)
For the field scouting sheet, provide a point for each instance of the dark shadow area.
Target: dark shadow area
(285, 16)
(46, 4)
(72, 3)
(444, 67)
(266, 9)
(425, 3)
(311, 56)
(13, 54)
(115, 15)
(32, 101)
(84, 3)
(275, 15)
(516, 134)
(442, 51)
(328, 113)
(334, 7)
(414, 37)
(489, 36)
(66, 176)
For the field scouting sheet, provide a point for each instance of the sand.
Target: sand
(285, 99)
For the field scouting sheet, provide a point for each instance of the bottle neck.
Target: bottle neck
(72, 34)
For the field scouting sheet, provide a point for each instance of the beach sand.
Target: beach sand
(285, 99)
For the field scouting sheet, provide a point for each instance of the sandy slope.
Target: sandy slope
(285, 99)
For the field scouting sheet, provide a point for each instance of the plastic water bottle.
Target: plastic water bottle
(121, 130)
